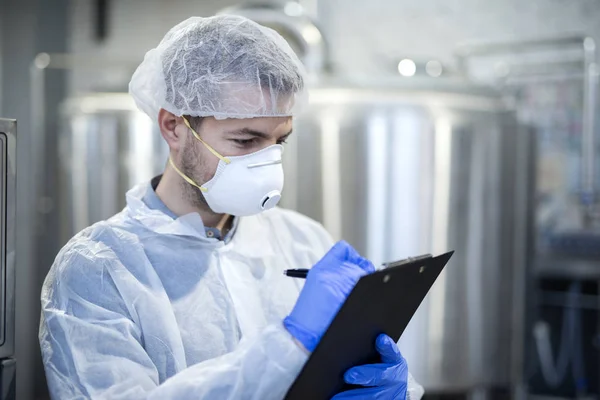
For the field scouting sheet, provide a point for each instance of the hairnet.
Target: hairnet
(224, 66)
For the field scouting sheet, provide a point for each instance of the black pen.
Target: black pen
(303, 272)
(296, 273)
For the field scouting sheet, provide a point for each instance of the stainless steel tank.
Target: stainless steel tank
(411, 166)
(106, 146)
(396, 168)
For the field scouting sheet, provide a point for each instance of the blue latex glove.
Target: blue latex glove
(388, 380)
(327, 286)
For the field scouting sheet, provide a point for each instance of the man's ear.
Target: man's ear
(168, 123)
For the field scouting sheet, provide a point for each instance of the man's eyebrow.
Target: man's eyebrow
(252, 132)
(248, 131)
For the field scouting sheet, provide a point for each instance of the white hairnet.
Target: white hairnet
(224, 66)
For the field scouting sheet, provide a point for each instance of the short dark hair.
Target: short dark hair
(195, 122)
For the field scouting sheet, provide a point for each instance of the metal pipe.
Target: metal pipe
(588, 140)
(588, 195)
(521, 46)
(38, 125)
(572, 66)
(522, 242)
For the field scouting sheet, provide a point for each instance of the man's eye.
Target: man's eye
(243, 142)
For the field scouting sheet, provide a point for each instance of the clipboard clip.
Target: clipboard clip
(406, 261)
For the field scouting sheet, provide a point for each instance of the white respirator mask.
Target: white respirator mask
(242, 185)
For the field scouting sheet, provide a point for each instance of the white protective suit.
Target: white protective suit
(144, 306)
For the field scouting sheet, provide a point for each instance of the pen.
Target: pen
(303, 272)
(296, 273)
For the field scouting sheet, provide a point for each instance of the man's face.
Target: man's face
(229, 137)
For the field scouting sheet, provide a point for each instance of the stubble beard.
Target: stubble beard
(190, 161)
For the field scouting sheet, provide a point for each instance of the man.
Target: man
(181, 295)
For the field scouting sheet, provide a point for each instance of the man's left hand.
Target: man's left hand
(388, 380)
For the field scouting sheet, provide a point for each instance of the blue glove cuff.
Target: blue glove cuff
(308, 340)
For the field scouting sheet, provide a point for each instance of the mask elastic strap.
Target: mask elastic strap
(222, 158)
(185, 177)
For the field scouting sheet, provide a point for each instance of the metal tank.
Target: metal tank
(398, 169)
(106, 146)
(405, 166)
(415, 166)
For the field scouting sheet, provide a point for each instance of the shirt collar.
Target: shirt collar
(153, 202)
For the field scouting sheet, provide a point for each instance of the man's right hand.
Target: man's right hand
(327, 286)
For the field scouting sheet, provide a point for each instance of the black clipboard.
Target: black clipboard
(381, 302)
